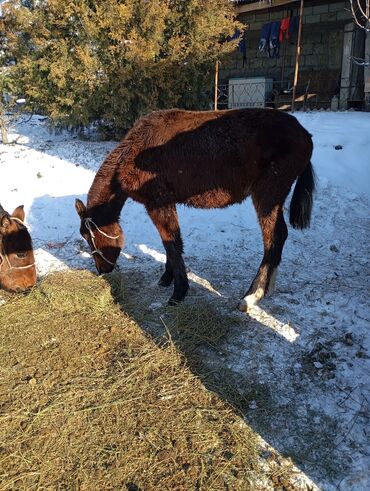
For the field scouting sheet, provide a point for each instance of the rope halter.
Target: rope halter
(4, 255)
(88, 222)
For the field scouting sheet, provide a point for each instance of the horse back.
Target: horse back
(208, 158)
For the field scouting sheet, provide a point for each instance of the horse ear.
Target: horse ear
(4, 222)
(19, 213)
(80, 208)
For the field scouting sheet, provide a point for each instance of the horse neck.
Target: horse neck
(106, 198)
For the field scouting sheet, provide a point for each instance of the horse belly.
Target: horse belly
(216, 198)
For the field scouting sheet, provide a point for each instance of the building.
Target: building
(329, 73)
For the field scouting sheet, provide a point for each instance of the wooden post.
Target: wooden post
(216, 85)
(3, 128)
(297, 55)
(284, 60)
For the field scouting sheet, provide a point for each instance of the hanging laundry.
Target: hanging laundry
(284, 28)
(269, 39)
(274, 44)
(243, 47)
(234, 36)
(264, 37)
(293, 25)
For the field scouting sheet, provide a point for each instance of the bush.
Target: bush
(109, 60)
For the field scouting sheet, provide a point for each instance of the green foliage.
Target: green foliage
(82, 61)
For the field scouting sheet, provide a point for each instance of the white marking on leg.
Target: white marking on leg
(249, 300)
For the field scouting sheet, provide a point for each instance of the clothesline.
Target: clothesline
(273, 33)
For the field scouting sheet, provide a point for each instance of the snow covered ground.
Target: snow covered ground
(306, 349)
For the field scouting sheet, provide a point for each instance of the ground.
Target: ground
(297, 366)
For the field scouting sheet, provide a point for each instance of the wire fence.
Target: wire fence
(311, 93)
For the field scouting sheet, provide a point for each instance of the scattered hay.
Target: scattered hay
(89, 402)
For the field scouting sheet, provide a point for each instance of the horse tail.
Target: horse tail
(301, 204)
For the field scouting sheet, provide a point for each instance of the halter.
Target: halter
(88, 222)
(4, 255)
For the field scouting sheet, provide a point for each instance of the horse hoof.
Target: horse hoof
(249, 301)
(243, 305)
(173, 302)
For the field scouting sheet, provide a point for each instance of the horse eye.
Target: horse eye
(21, 255)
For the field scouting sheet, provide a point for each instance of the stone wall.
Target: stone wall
(321, 47)
(367, 73)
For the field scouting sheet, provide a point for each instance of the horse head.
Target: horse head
(17, 262)
(104, 236)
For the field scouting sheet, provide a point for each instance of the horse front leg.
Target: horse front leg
(275, 233)
(167, 277)
(166, 221)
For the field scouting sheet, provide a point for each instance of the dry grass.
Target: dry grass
(89, 402)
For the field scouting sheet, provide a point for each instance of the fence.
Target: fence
(312, 92)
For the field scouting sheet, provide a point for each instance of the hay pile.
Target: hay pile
(89, 402)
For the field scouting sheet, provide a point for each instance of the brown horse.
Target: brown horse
(17, 262)
(209, 159)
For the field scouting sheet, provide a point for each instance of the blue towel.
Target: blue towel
(274, 43)
(264, 37)
(234, 36)
(294, 24)
(243, 47)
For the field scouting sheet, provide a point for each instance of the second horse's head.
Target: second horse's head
(17, 262)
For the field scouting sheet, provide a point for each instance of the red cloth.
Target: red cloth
(284, 27)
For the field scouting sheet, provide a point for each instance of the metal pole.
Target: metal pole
(297, 55)
(216, 85)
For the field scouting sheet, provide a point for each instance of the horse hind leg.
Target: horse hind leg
(274, 233)
(166, 221)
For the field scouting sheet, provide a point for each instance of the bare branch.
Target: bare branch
(361, 13)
